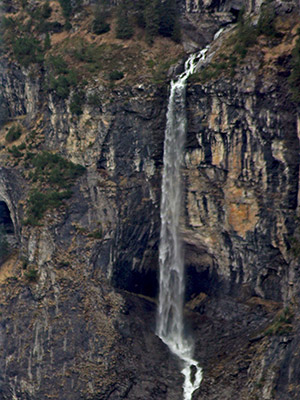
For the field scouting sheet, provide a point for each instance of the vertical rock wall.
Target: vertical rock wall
(242, 174)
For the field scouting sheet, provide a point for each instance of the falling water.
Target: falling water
(170, 325)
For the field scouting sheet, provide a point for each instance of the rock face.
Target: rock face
(242, 181)
(78, 292)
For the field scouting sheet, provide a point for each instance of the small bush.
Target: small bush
(22, 146)
(40, 202)
(4, 113)
(99, 25)
(66, 6)
(124, 29)
(94, 99)
(151, 20)
(4, 246)
(58, 65)
(77, 102)
(8, 23)
(6, 6)
(27, 50)
(96, 234)
(46, 10)
(13, 134)
(116, 75)
(62, 84)
(266, 22)
(15, 152)
(32, 274)
(169, 21)
(282, 323)
(54, 169)
(47, 42)
(64, 264)
(247, 37)
(62, 78)
(60, 174)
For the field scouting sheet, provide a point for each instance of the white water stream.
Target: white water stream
(170, 323)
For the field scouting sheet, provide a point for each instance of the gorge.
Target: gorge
(79, 247)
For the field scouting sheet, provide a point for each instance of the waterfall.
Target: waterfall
(170, 324)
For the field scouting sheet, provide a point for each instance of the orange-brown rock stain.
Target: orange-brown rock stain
(240, 202)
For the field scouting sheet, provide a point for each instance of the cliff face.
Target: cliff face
(78, 288)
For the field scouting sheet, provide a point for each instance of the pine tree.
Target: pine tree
(100, 25)
(47, 42)
(124, 28)
(152, 19)
(4, 246)
(139, 7)
(169, 23)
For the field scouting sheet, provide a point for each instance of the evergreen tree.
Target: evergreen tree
(169, 23)
(47, 42)
(139, 7)
(46, 10)
(124, 28)
(4, 246)
(66, 6)
(100, 25)
(152, 19)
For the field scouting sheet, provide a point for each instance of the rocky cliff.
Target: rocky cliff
(79, 273)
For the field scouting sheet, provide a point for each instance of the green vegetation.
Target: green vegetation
(94, 99)
(169, 22)
(294, 78)
(64, 264)
(27, 50)
(13, 133)
(124, 29)
(157, 17)
(31, 274)
(95, 58)
(39, 203)
(4, 246)
(47, 42)
(46, 10)
(15, 152)
(54, 169)
(87, 53)
(61, 78)
(77, 102)
(282, 323)
(159, 70)
(4, 114)
(99, 25)
(266, 24)
(152, 20)
(246, 35)
(6, 5)
(116, 75)
(294, 240)
(7, 23)
(66, 6)
(56, 175)
(97, 233)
